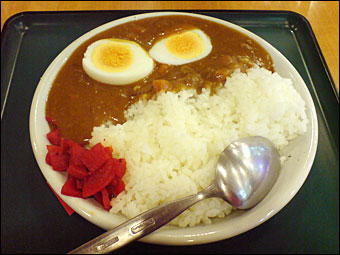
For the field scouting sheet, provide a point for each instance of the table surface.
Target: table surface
(322, 15)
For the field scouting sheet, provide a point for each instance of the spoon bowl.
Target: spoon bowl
(245, 172)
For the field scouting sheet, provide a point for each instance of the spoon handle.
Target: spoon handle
(141, 225)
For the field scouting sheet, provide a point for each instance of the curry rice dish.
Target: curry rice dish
(171, 141)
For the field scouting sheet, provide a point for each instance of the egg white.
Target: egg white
(162, 54)
(140, 64)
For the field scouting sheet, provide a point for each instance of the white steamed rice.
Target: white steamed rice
(171, 144)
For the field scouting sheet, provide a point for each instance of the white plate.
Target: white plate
(294, 172)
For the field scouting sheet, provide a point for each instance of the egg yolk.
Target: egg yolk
(112, 57)
(186, 45)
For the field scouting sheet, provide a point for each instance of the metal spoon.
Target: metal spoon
(245, 172)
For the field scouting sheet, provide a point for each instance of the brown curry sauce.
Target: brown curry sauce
(78, 103)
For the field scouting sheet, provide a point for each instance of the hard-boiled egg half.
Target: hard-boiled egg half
(117, 61)
(182, 48)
